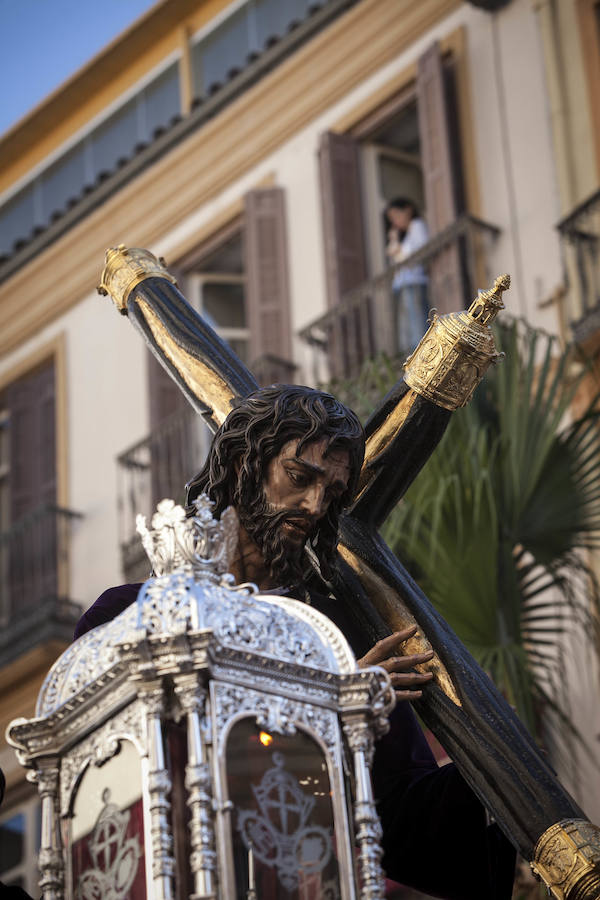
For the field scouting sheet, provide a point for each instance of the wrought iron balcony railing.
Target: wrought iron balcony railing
(34, 566)
(580, 232)
(158, 466)
(365, 323)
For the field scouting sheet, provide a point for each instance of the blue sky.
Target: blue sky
(44, 41)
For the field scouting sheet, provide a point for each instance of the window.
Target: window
(226, 49)
(407, 147)
(62, 182)
(112, 142)
(410, 147)
(20, 831)
(217, 289)
(391, 164)
(275, 17)
(115, 139)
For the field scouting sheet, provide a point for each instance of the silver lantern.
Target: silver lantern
(209, 742)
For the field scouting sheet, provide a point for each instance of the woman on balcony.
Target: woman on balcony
(407, 234)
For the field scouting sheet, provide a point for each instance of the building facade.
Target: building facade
(255, 145)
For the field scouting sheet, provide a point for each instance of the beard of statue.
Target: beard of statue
(264, 523)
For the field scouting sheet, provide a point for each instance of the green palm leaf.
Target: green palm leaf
(498, 526)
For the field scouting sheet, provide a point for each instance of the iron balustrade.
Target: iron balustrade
(363, 325)
(580, 233)
(34, 577)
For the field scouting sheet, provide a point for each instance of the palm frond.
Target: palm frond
(498, 527)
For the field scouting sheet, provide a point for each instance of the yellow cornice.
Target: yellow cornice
(116, 69)
(305, 85)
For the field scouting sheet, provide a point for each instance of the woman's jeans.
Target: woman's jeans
(410, 312)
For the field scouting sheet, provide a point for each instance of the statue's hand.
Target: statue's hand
(406, 682)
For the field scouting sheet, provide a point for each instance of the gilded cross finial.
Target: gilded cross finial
(454, 354)
(488, 304)
(124, 268)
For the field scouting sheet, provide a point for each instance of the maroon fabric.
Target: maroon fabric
(108, 857)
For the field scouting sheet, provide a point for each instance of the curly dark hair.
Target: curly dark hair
(253, 434)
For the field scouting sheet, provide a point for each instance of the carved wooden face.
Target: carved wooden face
(307, 483)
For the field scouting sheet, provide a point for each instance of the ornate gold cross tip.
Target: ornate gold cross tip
(456, 350)
(488, 304)
(124, 268)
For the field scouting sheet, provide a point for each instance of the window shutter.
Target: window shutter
(343, 235)
(32, 442)
(32, 549)
(267, 281)
(446, 284)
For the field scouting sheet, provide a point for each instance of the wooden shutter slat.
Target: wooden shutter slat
(446, 287)
(343, 232)
(267, 280)
(32, 478)
(32, 553)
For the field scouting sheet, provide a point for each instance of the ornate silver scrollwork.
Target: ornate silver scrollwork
(198, 545)
(367, 825)
(198, 783)
(197, 649)
(159, 788)
(93, 655)
(279, 714)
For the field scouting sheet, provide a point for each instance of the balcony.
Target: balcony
(34, 565)
(364, 324)
(580, 233)
(157, 467)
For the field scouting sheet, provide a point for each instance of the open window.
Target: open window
(392, 167)
(217, 290)
(406, 147)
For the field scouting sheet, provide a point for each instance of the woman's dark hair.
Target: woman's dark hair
(253, 434)
(403, 203)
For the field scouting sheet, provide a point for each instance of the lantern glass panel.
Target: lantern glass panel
(282, 823)
(106, 839)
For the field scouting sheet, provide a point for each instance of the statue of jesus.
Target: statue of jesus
(288, 459)
(311, 491)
